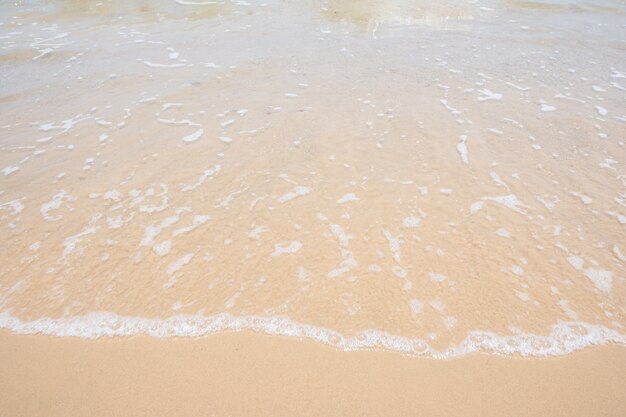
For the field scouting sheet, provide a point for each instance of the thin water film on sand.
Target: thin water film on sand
(435, 179)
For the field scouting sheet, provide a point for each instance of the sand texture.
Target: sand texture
(247, 374)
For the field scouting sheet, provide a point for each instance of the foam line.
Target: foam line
(564, 337)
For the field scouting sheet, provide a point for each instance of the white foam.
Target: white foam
(194, 136)
(547, 108)
(416, 307)
(256, 232)
(564, 304)
(115, 222)
(156, 65)
(562, 339)
(517, 270)
(203, 177)
(112, 195)
(399, 271)
(184, 122)
(10, 170)
(287, 248)
(488, 95)
(54, 204)
(437, 305)
(462, 149)
(608, 163)
(198, 219)
(502, 232)
(297, 192)
(496, 178)
(510, 201)
(167, 106)
(411, 221)
(175, 267)
(620, 218)
(348, 262)
(194, 3)
(156, 208)
(394, 245)
(152, 231)
(476, 207)
(618, 253)
(70, 242)
(451, 109)
(339, 271)
(162, 248)
(347, 198)
(584, 198)
(576, 261)
(601, 111)
(603, 280)
(16, 206)
(550, 205)
(437, 277)
(517, 87)
(303, 274)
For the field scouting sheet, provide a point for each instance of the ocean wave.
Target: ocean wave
(564, 337)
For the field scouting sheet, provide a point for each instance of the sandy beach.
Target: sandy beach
(244, 374)
(319, 207)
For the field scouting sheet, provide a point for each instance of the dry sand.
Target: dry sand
(248, 374)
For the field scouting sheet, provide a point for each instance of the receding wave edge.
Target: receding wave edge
(564, 337)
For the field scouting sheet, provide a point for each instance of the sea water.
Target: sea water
(436, 178)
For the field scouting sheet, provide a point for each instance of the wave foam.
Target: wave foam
(564, 338)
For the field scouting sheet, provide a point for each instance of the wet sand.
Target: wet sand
(248, 374)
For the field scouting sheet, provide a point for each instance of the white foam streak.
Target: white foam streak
(297, 192)
(156, 65)
(287, 248)
(347, 198)
(462, 149)
(564, 337)
(194, 3)
(510, 201)
(488, 95)
(194, 136)
(54, 204)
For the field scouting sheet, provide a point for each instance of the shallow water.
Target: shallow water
(431, 179)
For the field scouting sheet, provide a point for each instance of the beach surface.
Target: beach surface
(313, 207)
(247, 374)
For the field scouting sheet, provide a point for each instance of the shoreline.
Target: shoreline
(564, 337)
(246, 373)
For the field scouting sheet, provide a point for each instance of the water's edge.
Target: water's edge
(564, 337)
